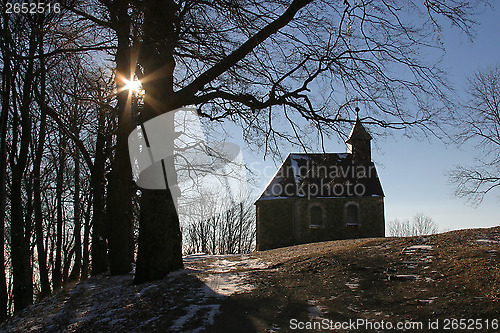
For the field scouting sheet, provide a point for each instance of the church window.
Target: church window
(316, 215)
(352, 215)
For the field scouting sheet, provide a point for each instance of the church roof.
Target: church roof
(327, 175)
(359, 132)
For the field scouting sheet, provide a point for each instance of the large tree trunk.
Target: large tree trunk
(37, 192)
(37, 200)
(99, 248)
(21, 267)
(97, 180)
(28, 230)
(119, 210)
(159, 237)
(4, 117)
(57, 274)
(3, 171)
(77, 231)
(160, 243)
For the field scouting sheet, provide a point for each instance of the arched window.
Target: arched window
(316, 214)
(352, 215)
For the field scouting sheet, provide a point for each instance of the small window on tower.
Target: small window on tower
(316, 215)
(352, 215)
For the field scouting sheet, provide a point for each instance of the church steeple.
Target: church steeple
(358, 142)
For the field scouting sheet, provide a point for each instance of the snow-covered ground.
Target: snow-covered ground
(185, 300)
(222, 277)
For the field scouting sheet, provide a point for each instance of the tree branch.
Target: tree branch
(190, 90)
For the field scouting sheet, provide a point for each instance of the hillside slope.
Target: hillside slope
(416, 279)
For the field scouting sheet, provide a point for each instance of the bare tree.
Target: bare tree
(216, 226)
(419, 225)
(4, 121)
(480, 124)
(19, 159)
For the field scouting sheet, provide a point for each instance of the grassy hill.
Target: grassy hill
(415, 281)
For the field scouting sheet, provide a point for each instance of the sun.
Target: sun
(133, 85)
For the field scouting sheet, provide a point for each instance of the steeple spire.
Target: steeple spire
(358, 142)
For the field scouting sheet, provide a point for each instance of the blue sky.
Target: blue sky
(412, 172)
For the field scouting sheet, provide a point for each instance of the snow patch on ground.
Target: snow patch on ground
(203, 256)
(193, 312)
(222, 277)
(227, 284)
(407, 277)
(419, 247)
(316, 311)
(427, 301)
(353, 284)
(224, 265)
(227, 277)
(490, 241)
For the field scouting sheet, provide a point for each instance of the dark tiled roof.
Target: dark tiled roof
(359, 132)
(326, 175)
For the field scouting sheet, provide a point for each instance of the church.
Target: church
(316, 197)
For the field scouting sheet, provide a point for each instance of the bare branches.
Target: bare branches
(419, 225)
(458, 12)
(231, 60)
(474, 183)
(327, 59)
(90, 17)
(480, 124)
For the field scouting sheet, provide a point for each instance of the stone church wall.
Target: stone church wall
(284, 222)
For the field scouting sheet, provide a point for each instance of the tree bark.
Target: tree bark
(75, 273)
(97, 180)
(28, 230)
(86, 237)
(119, 209)
(57, 274)
(37, 192)
(4, 117)
(160, 243)
(77, 231)
(68, 254)
(21, 267)
(159, 237)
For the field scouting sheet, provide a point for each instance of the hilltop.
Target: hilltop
(414, 279)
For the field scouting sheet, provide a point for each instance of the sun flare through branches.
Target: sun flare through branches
(133, 85)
